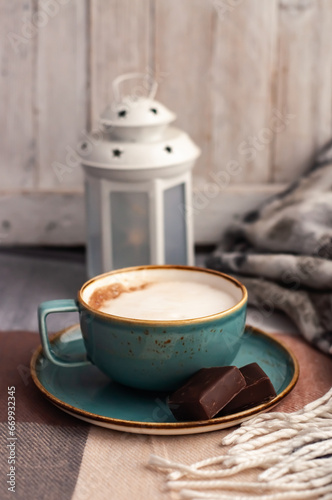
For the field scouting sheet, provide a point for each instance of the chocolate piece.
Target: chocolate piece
(206, 393)
(259, 389)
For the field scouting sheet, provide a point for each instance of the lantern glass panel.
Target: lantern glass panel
(175, 226)
(130, 229)
(94, 247)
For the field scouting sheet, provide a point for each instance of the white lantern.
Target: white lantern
(137, 186)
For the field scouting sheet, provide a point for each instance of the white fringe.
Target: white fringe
(293, 450)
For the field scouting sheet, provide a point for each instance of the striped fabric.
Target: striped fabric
(59, 457)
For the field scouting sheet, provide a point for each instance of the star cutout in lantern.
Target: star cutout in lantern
(122, 113)
(154, 110)
(168, 149)
(117, 152)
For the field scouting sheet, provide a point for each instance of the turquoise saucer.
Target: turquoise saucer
(86, 393)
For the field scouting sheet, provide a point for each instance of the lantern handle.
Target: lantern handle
(128, 76)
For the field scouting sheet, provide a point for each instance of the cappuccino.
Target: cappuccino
(153, 327)
(161, 301)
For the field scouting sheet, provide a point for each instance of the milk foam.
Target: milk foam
(169, 300)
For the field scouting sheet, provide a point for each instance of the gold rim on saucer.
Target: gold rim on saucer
(169, 428)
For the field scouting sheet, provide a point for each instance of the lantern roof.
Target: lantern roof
(136, 135)
(174, 150)
(130, 112)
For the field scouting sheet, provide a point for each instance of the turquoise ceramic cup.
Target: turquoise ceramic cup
(152, 354)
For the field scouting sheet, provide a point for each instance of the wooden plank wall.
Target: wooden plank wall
(249, 80)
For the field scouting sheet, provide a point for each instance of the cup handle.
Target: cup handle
(54, 306)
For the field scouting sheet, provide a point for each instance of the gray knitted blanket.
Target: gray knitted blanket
(282, 252)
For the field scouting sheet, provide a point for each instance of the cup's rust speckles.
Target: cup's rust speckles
(156, 342)
(181, 338)
(167, 341)
(139, 338)
(164, 331)
(146, 332)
